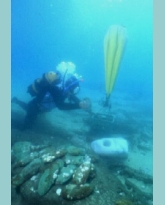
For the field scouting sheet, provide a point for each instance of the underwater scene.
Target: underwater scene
(82, 102)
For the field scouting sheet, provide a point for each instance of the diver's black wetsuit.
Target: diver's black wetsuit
(34, 107)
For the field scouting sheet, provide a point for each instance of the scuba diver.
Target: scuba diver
(52, 90)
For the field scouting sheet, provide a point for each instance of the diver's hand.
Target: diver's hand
(85, 104)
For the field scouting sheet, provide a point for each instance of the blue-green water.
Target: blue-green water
(47, 32)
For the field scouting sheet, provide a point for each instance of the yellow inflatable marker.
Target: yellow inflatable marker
(114, 43)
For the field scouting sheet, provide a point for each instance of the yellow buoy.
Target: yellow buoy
(114, 44)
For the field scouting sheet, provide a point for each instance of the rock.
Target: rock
(53, 155)
(81, 174)
(60, 153)
(48, 158)
(60, 163)
(65, 174)
(75, 151)
(22, 147)
(47, 179)
(73, 191)
(22, 153)
(27, 172)
(28, 190)
(38, 147)
(76, 160)
(45, 182)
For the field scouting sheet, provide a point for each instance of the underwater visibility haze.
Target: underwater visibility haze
(46, 33)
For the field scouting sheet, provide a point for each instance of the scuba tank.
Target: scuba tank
(47, 103)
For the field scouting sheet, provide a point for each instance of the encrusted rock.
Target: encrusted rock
(38, 147)
(72, 150)
(76, 160)
(27, 172)
(47, 179)
(60, 153)
(73, 191)
(60, 163)
(22, 147)
(65, 174)
(82, 173)
(48, 157)
(29, 189)
(22, 153)
(46, 175)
